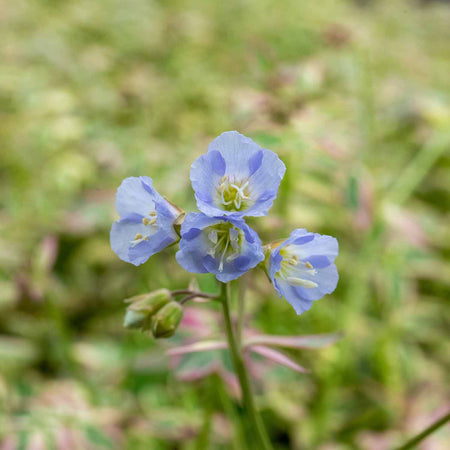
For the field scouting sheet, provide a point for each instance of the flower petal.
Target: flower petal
(135, 195)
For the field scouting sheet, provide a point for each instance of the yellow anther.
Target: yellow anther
(152, 213)
(147, 221)
(308, 265)
(146, 238)
(138, 236)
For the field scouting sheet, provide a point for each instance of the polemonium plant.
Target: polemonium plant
(235, 179)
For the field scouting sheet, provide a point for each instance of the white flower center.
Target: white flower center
(233, 195)
(225, 240)
(293, 270)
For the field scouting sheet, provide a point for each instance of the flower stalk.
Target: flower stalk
(241, 372)
(421, 436)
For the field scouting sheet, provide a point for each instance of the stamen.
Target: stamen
(234, 236)
(153, 221)
(301, 282)
(240, 190)
(224, 244)
(308, 265)
(212, 250)
(223, 256)
(293, 261)
(138, 239)
(232, 257)
(232, 193)
(145, 221)
(212, 236)
(152, 213)
(226, 203)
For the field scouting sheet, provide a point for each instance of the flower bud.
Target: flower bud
(134, 319)
(143, 307)
(166, 320)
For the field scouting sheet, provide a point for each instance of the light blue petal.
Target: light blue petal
(255, 161)
(122, 233)
(319, 261)
(135, 195)
(199, 221)
(326, 279)
(250, 235)
(319, 245)
(191, 253)
(218, 164)
(140, 253)
(274, 263)
(193, 244)
(292, 295)
(242, 263)
(205, 181)
(236, 149)
(264, 183)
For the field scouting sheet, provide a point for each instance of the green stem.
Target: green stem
(416, 439)
(238, 438)
(241, 371)
(241, 310)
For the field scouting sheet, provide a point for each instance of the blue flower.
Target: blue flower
(302, 268)
(236, 177)
(146, 221)
(224, 246)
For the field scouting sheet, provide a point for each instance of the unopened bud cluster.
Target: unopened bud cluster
(156, 313)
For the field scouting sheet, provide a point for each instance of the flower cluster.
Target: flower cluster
(235, 179)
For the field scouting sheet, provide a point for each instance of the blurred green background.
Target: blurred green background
(354, 96)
